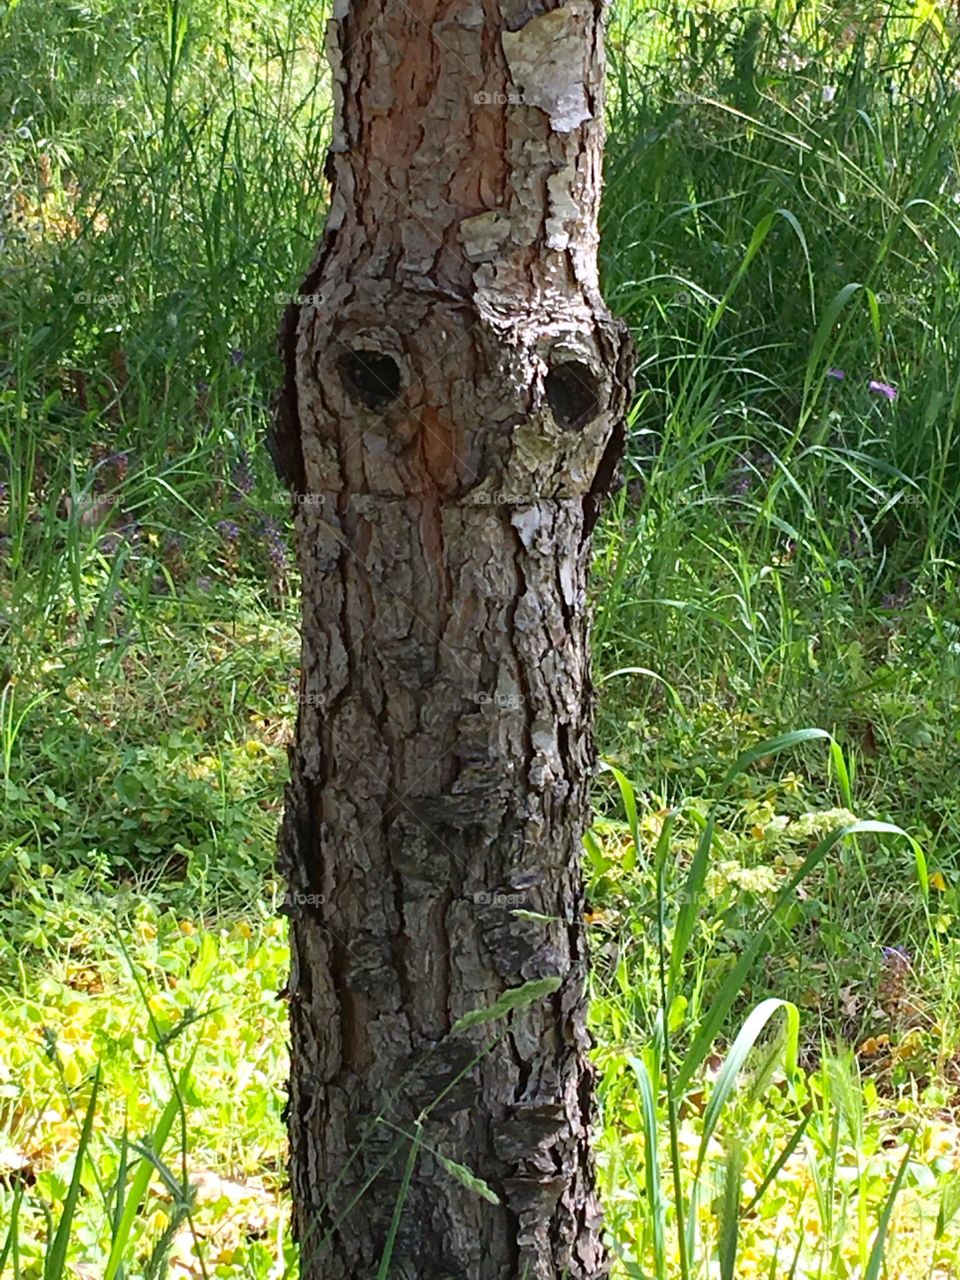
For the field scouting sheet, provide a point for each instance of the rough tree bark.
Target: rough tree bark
(453, 408)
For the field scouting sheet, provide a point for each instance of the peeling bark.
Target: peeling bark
(452, 414)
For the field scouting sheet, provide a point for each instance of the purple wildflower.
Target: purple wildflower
(893, 599)
(898, 958)
(883, 389)
(120, 463)
(836, 373)
(241, 476)
(229, 530)
(275, 549)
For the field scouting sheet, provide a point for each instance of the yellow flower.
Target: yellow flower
(874, 1045)
(937, 882)
(597, 916)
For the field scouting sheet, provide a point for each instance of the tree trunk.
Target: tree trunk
(453, 409)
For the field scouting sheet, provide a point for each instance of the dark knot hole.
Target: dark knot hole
(370, 377)
(572, 394)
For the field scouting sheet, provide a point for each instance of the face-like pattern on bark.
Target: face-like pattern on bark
(438, 403)
(453, 410)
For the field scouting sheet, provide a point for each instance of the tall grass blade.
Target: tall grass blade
(141, 1181)
(736, 1058)
(875, 1265)
(55, 1262)
(651, 1165)
(383, 1271)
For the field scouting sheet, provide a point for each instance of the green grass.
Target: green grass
(173, 1008)
(782, 202)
